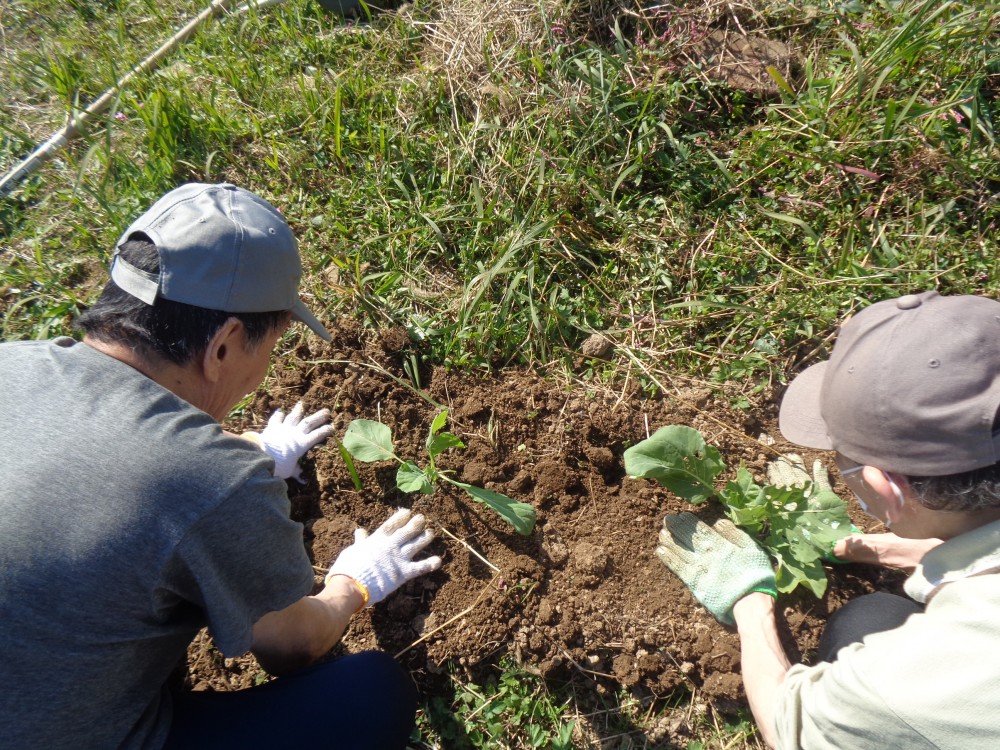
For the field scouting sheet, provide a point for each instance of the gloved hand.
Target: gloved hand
(383, 562)
(719, 564)
(287, 438)
(789, 470)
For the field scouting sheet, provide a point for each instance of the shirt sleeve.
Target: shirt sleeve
(242, 560)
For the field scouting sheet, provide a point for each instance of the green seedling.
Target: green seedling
(367, 441)
(797, 525)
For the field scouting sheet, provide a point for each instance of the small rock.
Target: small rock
(597, 347)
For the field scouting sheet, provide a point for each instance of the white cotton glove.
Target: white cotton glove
(383, 562)
(287, 438)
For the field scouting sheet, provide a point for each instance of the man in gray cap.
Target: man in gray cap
(910, 403)
(130, 519)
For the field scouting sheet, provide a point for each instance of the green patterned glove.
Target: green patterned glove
(719, 564)
(789, 470)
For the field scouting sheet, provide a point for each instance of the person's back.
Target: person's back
(119, 529)
(129, 519)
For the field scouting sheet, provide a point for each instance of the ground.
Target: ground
(582, 597)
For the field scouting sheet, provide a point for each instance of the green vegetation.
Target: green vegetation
(366, 440)
(504, 179)
(504, 183)
(514, 711)
(798, 526)
(517, 710)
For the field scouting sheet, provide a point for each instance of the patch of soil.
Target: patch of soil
(742, 60)
(583, 596)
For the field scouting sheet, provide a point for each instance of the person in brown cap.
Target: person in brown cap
(910, 403)
(130, 519)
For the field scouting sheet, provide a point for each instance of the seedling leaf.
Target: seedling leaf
(797, 525)
(409, 478)
(520, 515)
(438, 444)
(369, 441)
(679, 459)
(439, 422)
(372, 441)
(744, 500)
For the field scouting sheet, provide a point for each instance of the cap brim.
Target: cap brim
(799, 417)
(301, 313)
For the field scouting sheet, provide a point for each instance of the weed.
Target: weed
(514, 711)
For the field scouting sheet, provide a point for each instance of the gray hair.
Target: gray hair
(969, 491)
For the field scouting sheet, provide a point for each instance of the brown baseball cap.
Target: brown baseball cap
(912, 386)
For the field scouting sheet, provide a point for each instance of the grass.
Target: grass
(505, 179)
(518, 710)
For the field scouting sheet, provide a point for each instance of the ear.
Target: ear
(230, 334)
(891, 488)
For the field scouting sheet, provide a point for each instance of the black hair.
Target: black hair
(173, 331)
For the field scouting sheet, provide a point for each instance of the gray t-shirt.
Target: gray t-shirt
(128, 520)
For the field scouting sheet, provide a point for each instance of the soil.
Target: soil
(742, 61)
(583, 597)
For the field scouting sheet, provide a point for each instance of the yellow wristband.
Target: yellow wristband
(254, 437)
(360, 586)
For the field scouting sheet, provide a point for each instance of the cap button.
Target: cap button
(908, 302)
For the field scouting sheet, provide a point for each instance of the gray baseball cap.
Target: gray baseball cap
(221, 248)
(912, 386)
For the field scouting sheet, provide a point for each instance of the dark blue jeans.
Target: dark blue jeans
(871, 613)
(358, 702)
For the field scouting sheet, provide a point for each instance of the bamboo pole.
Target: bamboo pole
(77, 122)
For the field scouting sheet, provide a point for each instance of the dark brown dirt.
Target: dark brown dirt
(583, 597)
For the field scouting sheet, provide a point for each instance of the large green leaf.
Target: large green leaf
(808, 525)
(520, 515)
(791, 573)
(679, 459)
(368, 441)
(409, 478)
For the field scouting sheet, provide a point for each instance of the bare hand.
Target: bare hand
(886, 549)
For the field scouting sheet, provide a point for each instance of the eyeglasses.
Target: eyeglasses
(851, 467)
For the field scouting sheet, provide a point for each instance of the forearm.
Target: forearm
(763, 658)
(884, 549)
(298, 635)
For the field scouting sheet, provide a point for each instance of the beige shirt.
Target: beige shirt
(934, 682)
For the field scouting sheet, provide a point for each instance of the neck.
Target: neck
(184, 381)
(946, 524)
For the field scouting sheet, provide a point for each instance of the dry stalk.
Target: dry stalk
(469, 547)
(450, 620)
(583, 669)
